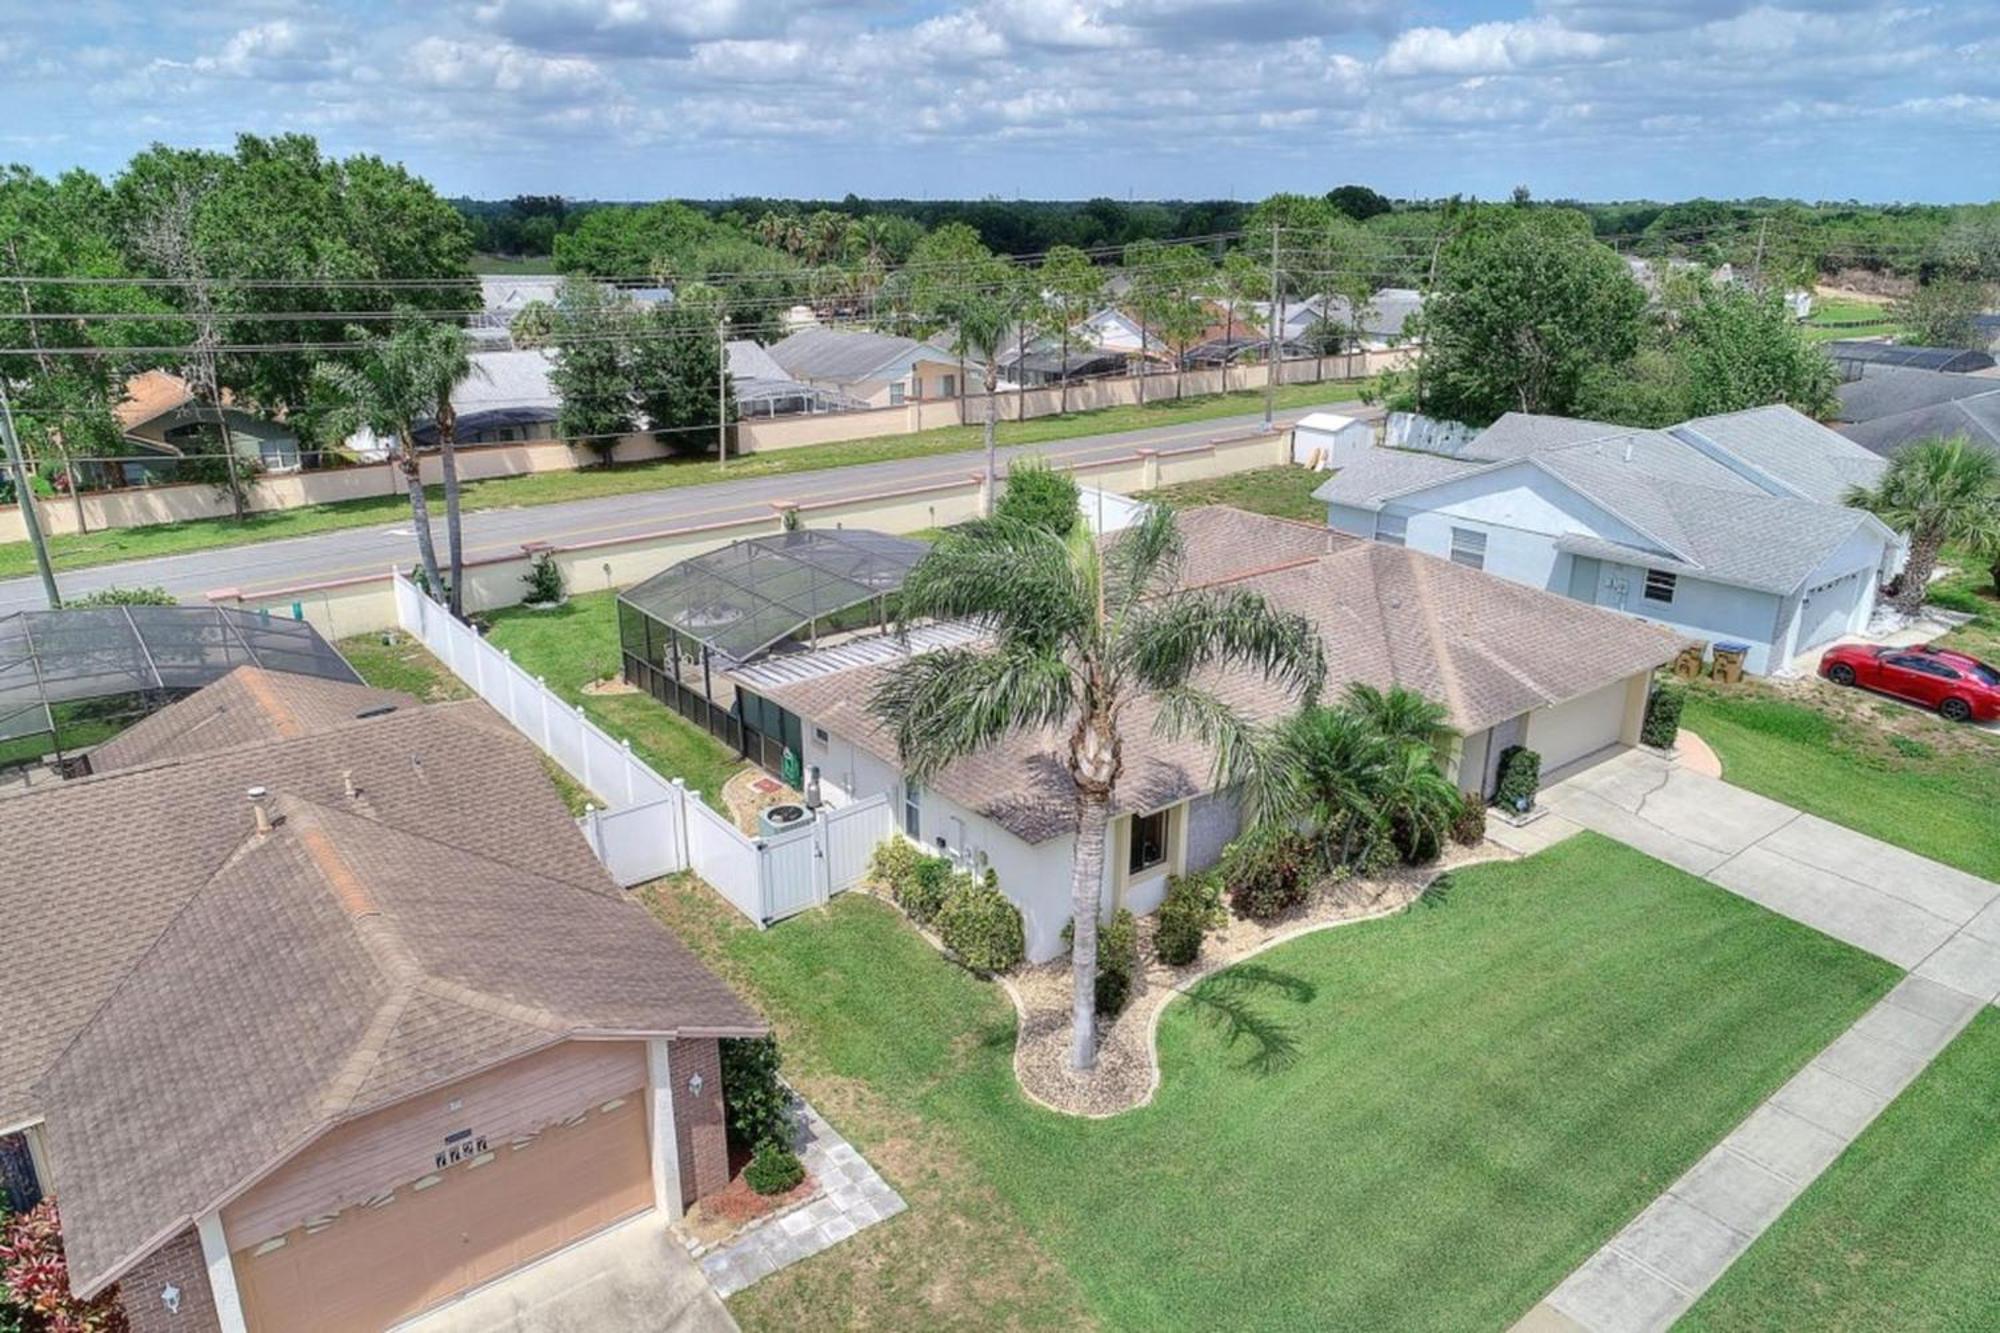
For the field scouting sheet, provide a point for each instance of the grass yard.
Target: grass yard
(577, 643)
(1849, 317)
(1969, 588)
(1901, 1232)
(1419, 1123)
(163, 539)
(1876, 765)
(1284, 491)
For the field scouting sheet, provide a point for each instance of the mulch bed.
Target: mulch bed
(735, 1206)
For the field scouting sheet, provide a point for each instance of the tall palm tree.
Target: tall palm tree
(1080, 632)
(390, 384)
(1935, 491)
(452, 361)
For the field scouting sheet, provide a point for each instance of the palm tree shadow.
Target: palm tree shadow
(1230, 1001)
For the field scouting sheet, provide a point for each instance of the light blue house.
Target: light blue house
(1728, 528)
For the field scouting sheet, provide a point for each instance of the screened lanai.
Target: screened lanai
(70, 678)
(684, 628)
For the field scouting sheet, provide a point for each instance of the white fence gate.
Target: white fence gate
(650, 826)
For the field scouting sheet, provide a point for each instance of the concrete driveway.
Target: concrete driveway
(1912, 911)
(634, 1278)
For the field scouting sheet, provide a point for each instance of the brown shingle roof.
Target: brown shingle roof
(1487, 648)
(249, 704)
(193, 1001)
(150, 394)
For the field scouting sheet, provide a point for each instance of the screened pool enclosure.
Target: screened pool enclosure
(685, 628)
(72, 678)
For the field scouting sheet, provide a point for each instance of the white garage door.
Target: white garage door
(1827, 610)
(1569, 731)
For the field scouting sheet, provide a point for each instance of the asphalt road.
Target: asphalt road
(372, 550)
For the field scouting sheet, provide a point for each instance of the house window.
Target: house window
(896, 394)
(1149, 842)
(1391, 529)
(913, 799)
(1468, 548)
(1660, 585)
(949, 384)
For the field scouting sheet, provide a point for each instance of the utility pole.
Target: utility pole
(1757, 265)
(1272, 362)
(722, 394)
(25, 494)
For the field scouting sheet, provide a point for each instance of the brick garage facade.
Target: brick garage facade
(698, 1117)
(179, 1264)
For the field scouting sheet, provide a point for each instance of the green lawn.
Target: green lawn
(1865, 319)
(1420, 1123)
(577, 643)
(1901, 1232)
(1969, 587)
(162, 539)
(1877, 766)
(1284, 491)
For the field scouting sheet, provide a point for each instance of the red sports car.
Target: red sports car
(1962, 688)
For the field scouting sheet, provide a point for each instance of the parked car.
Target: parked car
(1960, 686)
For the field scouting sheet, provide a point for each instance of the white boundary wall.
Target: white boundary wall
(650, 826)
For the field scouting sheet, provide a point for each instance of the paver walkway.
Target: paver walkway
(1939, 923)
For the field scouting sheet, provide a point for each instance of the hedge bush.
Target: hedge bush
(1663, 717)
(1468, 826)
(980, 925)
(544, 579)
(760, 1107)
(1192, 908)
(1268, 872)
(929, 883)
(774, 1170)
(1038, 494)
(1520, 777)
(894, 865)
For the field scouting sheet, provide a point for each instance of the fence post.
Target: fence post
(583, 747)
(681, 844)
(542, 694)
(762, 862)
(595, 821)
(822, 859)
(626, 745)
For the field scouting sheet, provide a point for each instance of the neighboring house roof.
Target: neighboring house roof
(847, 356)
(1748, 498)
(195, 1001)
(1487, 649)
(247, 705)
(1894, 390)
(148, 395)
(755, 377)
(1977, 419)
(507, 381)
(1788, 447)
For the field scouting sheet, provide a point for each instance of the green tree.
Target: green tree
(631, 242)
(1526, 309)
(1179, 285)
(1080, 631)
(1364, 771)
(1358, 202)
(1072, 290)
(1241, 283)
(388, 386)
(1040, 496)
(591, 365)
(678, 371)
(977, 295)
(1940, 313)
(1935, 491)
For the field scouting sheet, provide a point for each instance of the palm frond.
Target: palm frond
(1246, 758)
(1014, 576)
(1169, 640)
(1143, 559)
(947, 704)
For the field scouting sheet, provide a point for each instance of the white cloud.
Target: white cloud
(1490, 48)
(449, 64)
(278, 49)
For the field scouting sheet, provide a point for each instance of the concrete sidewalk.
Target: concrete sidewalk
(1939, 923)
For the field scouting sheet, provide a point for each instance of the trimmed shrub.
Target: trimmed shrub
(1038, 494)
(774, 1170)
(125, 597)
(1117, 960)
(894, 864)
(929, 882)
(1663, 717)
(544, 579)
(1267, 872)
(1468, 826)
(1192, 908)
(759, 1106)
(981, 926)
(1520, 777)
(34, 1274)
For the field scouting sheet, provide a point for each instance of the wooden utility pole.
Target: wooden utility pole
(1272, 361)
(722, 393)
(24, 492)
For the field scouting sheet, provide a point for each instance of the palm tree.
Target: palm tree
(1402, 715)
(1326, 764)
(1414, 801)
(1935, 491)
(393, 382)
(1080, 632)
(451, 362)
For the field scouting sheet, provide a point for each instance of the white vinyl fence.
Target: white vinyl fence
(650, 826)
(1408, 430)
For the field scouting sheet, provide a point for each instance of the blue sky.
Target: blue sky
(1039, 98)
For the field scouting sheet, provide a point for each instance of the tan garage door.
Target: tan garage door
(431, 1239)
